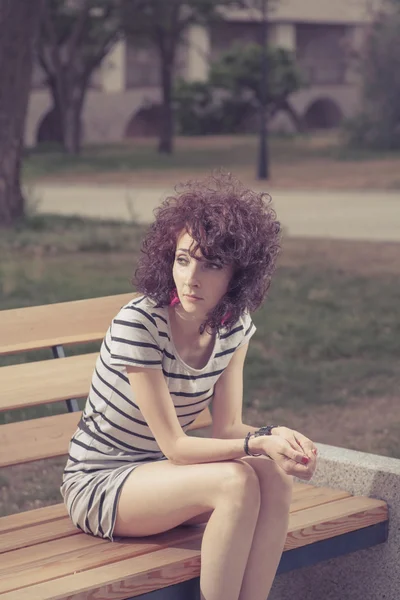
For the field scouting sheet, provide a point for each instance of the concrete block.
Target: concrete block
(373, 573)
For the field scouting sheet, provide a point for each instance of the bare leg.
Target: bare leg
(271, 529)
(159, 496)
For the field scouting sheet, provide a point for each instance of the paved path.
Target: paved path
(346, 215)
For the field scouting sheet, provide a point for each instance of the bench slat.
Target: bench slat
(30, 519)
(54, 550)
(37, 534)
(27, 518)
(31, 526)
(44, 381)
(334, 518)
(87, 555)
(121, 580)
(31, 522)
(49, 437)
(26, 441)
(61, 323)
(315, 496)
(144, 573)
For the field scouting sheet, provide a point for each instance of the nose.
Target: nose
(192, 275)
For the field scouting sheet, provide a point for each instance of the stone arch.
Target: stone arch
(323, 113)
(146, 122)
(49, 129)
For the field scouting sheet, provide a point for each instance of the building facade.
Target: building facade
(125, 92)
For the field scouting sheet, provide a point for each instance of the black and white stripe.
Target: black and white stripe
(115, 428)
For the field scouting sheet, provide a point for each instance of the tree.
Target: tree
(378, 123)
(19, 22)
(203, 109)
(164, 23)
(240, 72)
(75, 37)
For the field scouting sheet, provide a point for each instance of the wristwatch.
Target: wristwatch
(262, 431)
(265, 430)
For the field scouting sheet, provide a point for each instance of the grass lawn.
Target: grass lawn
(324, 359)
(317, 161)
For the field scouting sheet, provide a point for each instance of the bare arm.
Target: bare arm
(286, 446)
(154, 400)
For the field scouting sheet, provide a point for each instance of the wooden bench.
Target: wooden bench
(43, 556)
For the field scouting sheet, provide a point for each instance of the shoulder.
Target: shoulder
(240, 332)
(141, 309)
(135, 336)
(246, 322)
(239, 328)
(137, 313)
(142, 313)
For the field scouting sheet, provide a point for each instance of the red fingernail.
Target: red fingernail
(315, 450)
(305, 460)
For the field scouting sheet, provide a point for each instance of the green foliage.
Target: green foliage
(81, 29)
(200, 111)
(74, 39)
(164, 23)
(234, 90)
(378, 123)
(240, 71)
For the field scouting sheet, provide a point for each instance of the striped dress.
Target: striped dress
(113, 437)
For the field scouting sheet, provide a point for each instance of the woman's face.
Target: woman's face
(200, 283)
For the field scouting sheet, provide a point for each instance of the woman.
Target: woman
(206, 264)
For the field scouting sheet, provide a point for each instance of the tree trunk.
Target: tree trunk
(19, 22)
(69, 112)
(72, 123)
(165, 144)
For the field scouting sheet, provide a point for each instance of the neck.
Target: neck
(187, 324)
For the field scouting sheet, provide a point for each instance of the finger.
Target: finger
(295, 444)
(306, 444)
(297, 469)
(298, 457)
(304, 472)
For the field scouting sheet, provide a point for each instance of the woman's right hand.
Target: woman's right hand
(286, 457)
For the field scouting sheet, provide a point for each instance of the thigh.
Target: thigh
(161, 495)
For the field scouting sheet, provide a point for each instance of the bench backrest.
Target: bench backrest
(63, 323)
(55, 380)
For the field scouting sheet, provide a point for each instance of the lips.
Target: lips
(192, 296)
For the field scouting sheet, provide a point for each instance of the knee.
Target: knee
(240, 483)
(276, 486)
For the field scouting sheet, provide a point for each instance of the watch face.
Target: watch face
(265, 430)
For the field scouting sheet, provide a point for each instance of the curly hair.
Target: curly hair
(228, 222)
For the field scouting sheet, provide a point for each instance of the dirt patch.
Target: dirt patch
(353, 257)
(313, 174)
(317, 162)
(371, 429)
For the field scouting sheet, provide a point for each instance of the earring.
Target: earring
(174, 299)
(225, 318)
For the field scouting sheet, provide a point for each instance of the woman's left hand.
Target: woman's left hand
(299, 442)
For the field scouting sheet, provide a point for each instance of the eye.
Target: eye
(182, 260)
(214, 266)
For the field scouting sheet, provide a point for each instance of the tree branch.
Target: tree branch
(54, 64)
(97, 58)
(41, 56)
(78, 33)
(56, 69)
